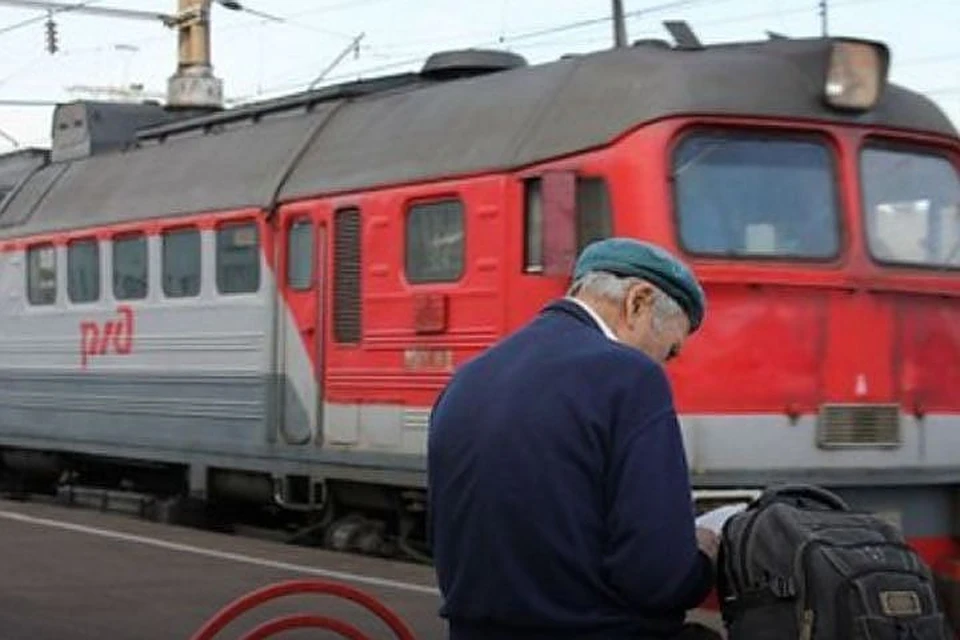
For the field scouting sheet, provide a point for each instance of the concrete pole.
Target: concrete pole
(194, 86)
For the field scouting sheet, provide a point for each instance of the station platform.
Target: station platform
(83, 574)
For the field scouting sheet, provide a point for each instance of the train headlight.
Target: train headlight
(856, 74)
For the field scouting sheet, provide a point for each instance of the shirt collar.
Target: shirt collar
(596, 318)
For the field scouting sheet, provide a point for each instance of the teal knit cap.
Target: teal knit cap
(626, 257)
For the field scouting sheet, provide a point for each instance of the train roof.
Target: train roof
(17, 165)
(445, 121)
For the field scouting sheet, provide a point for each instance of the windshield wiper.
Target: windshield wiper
(698, 157)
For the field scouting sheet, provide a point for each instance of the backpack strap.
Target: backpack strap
(793, 493)
(777, 590)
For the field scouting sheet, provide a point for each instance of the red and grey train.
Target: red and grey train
(260, 304)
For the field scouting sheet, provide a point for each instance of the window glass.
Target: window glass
(435, 242)
(83, 270)
(130, 267)
(238, 258)
(594, 218)
(300, 255)
(181, 263)
(911, 207)
(42, 274)
(533, 226)
(741, 195)
(593, 211)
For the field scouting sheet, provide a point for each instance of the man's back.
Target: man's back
(559, 501)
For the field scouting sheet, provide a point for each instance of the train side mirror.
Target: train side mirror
(559, 194)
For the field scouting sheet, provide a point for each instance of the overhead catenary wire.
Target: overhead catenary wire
(632, 15)
(804, 9)
(418, 56)
(293, 19)
(9, 138)
(603, 20)
(666, 6)
(44, 16)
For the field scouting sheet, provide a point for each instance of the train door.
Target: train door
(301, 328)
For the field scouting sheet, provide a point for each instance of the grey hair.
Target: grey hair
(614, 288)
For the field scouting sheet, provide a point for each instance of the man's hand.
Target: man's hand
(708, 542)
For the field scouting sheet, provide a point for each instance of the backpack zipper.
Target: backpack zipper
(748, 528)
(804, 615)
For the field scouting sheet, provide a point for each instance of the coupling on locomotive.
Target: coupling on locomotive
(255, 308)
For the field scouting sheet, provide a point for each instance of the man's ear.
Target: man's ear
(639, 296)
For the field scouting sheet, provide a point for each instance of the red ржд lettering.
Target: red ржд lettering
(113, 336)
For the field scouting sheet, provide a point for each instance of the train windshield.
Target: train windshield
(911, 206)
(742, 195)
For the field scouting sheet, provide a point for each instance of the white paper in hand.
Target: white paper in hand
(715, 519)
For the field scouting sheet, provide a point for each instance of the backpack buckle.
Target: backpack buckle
(782, 587)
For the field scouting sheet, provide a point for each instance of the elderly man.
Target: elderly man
(559, 502)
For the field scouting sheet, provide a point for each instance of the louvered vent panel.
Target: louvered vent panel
(347, 308)
(858, 425)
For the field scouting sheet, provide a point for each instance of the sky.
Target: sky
(258, 58)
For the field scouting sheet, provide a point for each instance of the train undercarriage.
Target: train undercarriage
(345, 516)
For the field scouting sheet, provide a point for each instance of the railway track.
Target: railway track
(352, 533)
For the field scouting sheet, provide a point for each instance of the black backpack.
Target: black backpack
(799, 564)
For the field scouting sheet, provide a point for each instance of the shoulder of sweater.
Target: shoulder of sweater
(590, 344)
(621, 354)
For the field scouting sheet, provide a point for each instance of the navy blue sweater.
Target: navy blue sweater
(559, 501)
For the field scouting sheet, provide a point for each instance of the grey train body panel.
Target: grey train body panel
(208, 381)
(198, 371)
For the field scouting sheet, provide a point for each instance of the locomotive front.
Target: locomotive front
(829, 245)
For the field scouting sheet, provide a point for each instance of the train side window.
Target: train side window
(533, 226)
(130, 267)
(746, 195)
(238, 258)
(594, 221)
(347, 277)
(594, 218)
(435, 242)
(181, 263)
(42, 274)
(300, 255)
(83, 270)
